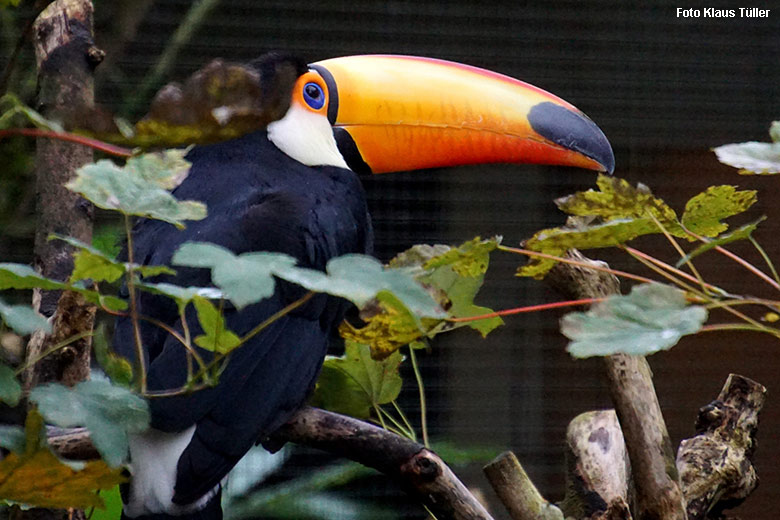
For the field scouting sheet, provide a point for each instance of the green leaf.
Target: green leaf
(19, 276)
(10, 389)
(108, 411)
(217, 337)
(704, 212)
(360, 279)
(117, 368)
(9, 3)
(248, 278)
(135, 189)
(244, 279)
(34, 476)
(741, 233)
(182, 295)
(652, 317)
(23, 319)
(753, 158)
(12, 438)
(355, 383)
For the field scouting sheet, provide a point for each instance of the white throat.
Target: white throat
(307, 137)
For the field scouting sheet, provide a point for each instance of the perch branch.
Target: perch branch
(418, 470)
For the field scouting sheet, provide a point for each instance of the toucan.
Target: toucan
(293, 187)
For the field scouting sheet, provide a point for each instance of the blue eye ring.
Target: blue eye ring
(314, 95)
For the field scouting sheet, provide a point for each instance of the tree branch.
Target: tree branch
(636, 403)
(716, 465)
(418, 470)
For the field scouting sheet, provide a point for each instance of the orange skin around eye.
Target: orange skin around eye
(297, 96)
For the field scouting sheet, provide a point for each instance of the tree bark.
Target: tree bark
(716, 465)
(598, 476)
(418, 470)
(66, 56)
(517, 492)
(658, 492)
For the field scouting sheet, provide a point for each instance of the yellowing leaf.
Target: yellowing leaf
(618, 199)
(385, 332)
(469, 259)
(704, 212)
(38, 478)
(557, 241)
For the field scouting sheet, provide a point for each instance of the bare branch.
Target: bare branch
(516, 491)
(636, 403)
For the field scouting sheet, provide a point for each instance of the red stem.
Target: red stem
(531, 308)
(95, 144)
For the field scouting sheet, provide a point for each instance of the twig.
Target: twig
(562, 259)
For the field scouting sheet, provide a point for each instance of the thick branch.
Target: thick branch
(418, 470)
(598, 470)
(66, 55)
(716, 466)
(636, 403)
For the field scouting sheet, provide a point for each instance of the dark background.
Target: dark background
(664, 90)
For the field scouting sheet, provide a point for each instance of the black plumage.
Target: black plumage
(258, 199)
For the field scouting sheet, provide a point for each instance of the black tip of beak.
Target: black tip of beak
(572, 130)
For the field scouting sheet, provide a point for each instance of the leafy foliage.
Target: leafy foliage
(140, 187)
(652, 317)
(118, 369)
(217, 338)
(453, 275)
(23, 318)
(36, 477)
(753, 158)
(109, 412)
(625, 212)
(10, 389)
(741, 233)
(248, 278)
(355, 383)
(19, 276)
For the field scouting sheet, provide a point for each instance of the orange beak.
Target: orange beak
(398, 113)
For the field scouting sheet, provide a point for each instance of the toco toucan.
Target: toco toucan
(293, 187)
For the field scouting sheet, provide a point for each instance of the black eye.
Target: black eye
(313, 95)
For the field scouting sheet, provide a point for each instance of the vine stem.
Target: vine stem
(741, 261)
(139, 347)
(62, 344)
(528, 252)
(680, 252)
(765, 257)
(423, 406)
(220, 357)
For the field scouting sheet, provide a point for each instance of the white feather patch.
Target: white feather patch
(154, 456)
(307, 137)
